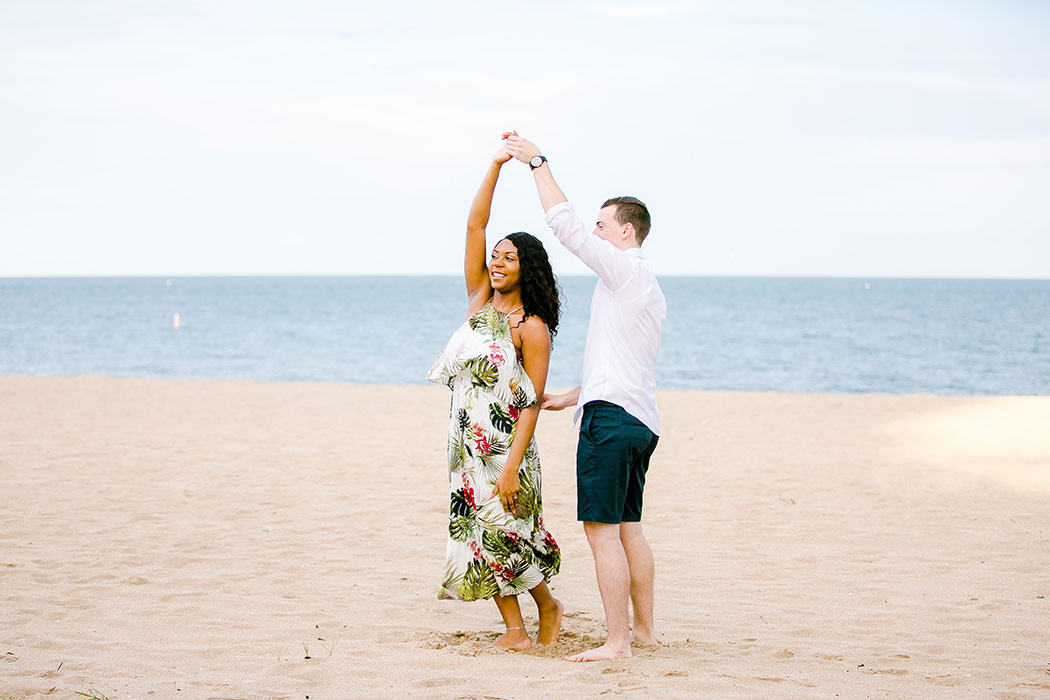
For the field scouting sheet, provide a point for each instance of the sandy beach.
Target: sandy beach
(182, 539)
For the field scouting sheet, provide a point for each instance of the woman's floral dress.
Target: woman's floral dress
(490, 551)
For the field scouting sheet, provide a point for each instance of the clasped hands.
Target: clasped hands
(515, 146)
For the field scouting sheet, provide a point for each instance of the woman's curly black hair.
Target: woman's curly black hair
(540, 295)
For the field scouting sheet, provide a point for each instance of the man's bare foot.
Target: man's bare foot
(514, 639)
(600, 654)
(644, 640)
(550, 623)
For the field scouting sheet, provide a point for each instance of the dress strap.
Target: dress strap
(507, 313)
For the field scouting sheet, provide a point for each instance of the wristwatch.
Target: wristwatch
(537, 161)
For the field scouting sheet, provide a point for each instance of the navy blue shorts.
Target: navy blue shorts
(612, 457)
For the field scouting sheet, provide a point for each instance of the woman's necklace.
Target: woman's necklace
(507, 313)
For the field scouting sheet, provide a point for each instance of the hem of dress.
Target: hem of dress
(446, 594)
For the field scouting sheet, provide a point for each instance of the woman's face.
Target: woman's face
(504, 267)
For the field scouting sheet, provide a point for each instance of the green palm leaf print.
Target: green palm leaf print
(500, 419)
(492, 459)
(481, 321)
(549, 561)
(498, 544)
(460, 528)
(479, 581)
(483, 372)
(527, 496)
(521, 398)
(489, 322)
(455, 454)
(459, 505)
(520, 565)
(450, 579)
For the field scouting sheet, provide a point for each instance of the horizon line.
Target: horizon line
(263, 275)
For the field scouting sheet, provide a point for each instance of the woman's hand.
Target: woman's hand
(507, 486)
(503, 154)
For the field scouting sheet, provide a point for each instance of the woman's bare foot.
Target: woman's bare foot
(601, 653)
(550, 623)
(514, 639)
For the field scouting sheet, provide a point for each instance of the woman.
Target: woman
(496, 365)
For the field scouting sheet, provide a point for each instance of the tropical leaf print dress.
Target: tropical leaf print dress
(490, 551)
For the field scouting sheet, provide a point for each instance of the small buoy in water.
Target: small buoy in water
(867, 285)
(168, 283)
(175, 321)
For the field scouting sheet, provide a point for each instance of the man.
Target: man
(620, 421)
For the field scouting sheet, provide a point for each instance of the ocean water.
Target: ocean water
(944, 336)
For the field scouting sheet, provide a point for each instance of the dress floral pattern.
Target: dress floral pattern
(490, 551)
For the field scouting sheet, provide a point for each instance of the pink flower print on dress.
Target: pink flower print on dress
(496, 355)
(481, 444)
(468, 493)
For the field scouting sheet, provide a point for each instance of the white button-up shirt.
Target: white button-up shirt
(627, 313)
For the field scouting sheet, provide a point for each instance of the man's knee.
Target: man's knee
(600, 533)
(631, 532)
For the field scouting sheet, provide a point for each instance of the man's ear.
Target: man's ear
(628, 231)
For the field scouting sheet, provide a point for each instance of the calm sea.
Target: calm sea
(763, 334)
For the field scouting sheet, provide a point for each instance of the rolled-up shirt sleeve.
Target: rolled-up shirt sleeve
(610, 263)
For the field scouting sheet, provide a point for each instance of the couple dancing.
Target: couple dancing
(496, 365)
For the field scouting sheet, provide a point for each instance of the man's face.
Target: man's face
(607, 227)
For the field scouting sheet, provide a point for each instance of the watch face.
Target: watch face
(536, 161)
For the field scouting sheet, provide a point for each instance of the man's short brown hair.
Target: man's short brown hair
(631, 210)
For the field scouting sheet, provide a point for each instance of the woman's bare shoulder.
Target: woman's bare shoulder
(534, 329)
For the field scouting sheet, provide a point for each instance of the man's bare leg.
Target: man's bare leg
(550, 609)
(515, 638)
(614, 583)
(640, 562)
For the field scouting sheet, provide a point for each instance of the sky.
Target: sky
(822, 138)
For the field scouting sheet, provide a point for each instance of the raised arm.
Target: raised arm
(525, 150)
(603, 257)
(475, 261)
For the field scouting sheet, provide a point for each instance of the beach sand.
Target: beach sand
(182, 539)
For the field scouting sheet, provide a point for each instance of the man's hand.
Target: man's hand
(558, 402)
(525, 150)
(520, 148)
